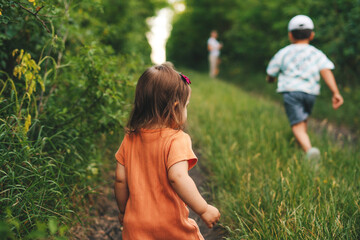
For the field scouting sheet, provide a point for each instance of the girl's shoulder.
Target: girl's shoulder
(179, 137)
(128, 138)
(161, 134)
(174, 133)
(167, 136)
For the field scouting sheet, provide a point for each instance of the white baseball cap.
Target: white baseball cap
(300, 22)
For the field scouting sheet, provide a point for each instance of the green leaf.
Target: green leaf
(53, 226)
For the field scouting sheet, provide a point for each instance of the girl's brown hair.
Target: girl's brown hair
(160, 99)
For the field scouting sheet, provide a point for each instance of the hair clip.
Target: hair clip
(185, 78)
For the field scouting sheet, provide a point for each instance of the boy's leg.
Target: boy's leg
(300, 133)
(298, 106)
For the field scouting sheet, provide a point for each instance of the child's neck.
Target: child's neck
(302, 41)
(155, 126)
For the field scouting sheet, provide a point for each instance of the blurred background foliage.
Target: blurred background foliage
(253, 30)
(68, 71)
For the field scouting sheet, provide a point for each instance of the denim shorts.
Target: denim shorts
(298, 106)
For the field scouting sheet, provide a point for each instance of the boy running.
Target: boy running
(298, 67)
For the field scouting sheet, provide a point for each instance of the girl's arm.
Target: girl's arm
(185, 187)
(121, 190)
(328, 76)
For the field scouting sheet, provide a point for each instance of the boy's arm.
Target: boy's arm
(273, 68)
(328, 76)
(121, 190)
(185, 187)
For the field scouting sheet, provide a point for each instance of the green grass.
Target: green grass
(40, 182)
(262, 184)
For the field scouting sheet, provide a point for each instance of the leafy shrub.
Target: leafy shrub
(60, 95)
(47, 163)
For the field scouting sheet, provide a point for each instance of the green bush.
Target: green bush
(49, 160)
(64, 94)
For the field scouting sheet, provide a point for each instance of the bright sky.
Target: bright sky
(160, 28)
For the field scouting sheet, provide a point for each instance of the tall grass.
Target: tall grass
(263, 185)
(40, 180)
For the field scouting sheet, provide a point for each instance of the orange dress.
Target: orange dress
(154, 211)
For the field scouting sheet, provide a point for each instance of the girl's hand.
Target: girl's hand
(211, 216)
(121, 218)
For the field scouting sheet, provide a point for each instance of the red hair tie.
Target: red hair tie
(185, 78)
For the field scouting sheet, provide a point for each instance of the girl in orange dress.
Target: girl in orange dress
(152, 186)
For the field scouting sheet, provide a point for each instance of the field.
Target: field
(260, 179)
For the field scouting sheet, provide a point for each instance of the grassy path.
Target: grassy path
(259, 177)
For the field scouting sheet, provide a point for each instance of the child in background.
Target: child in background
(214, 48)
(152, 186)
(298, 67)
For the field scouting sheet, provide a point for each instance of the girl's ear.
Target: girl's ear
(176, 105)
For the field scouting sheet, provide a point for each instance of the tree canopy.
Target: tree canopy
(252, 31)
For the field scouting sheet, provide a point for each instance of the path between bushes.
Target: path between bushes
(102, 222)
